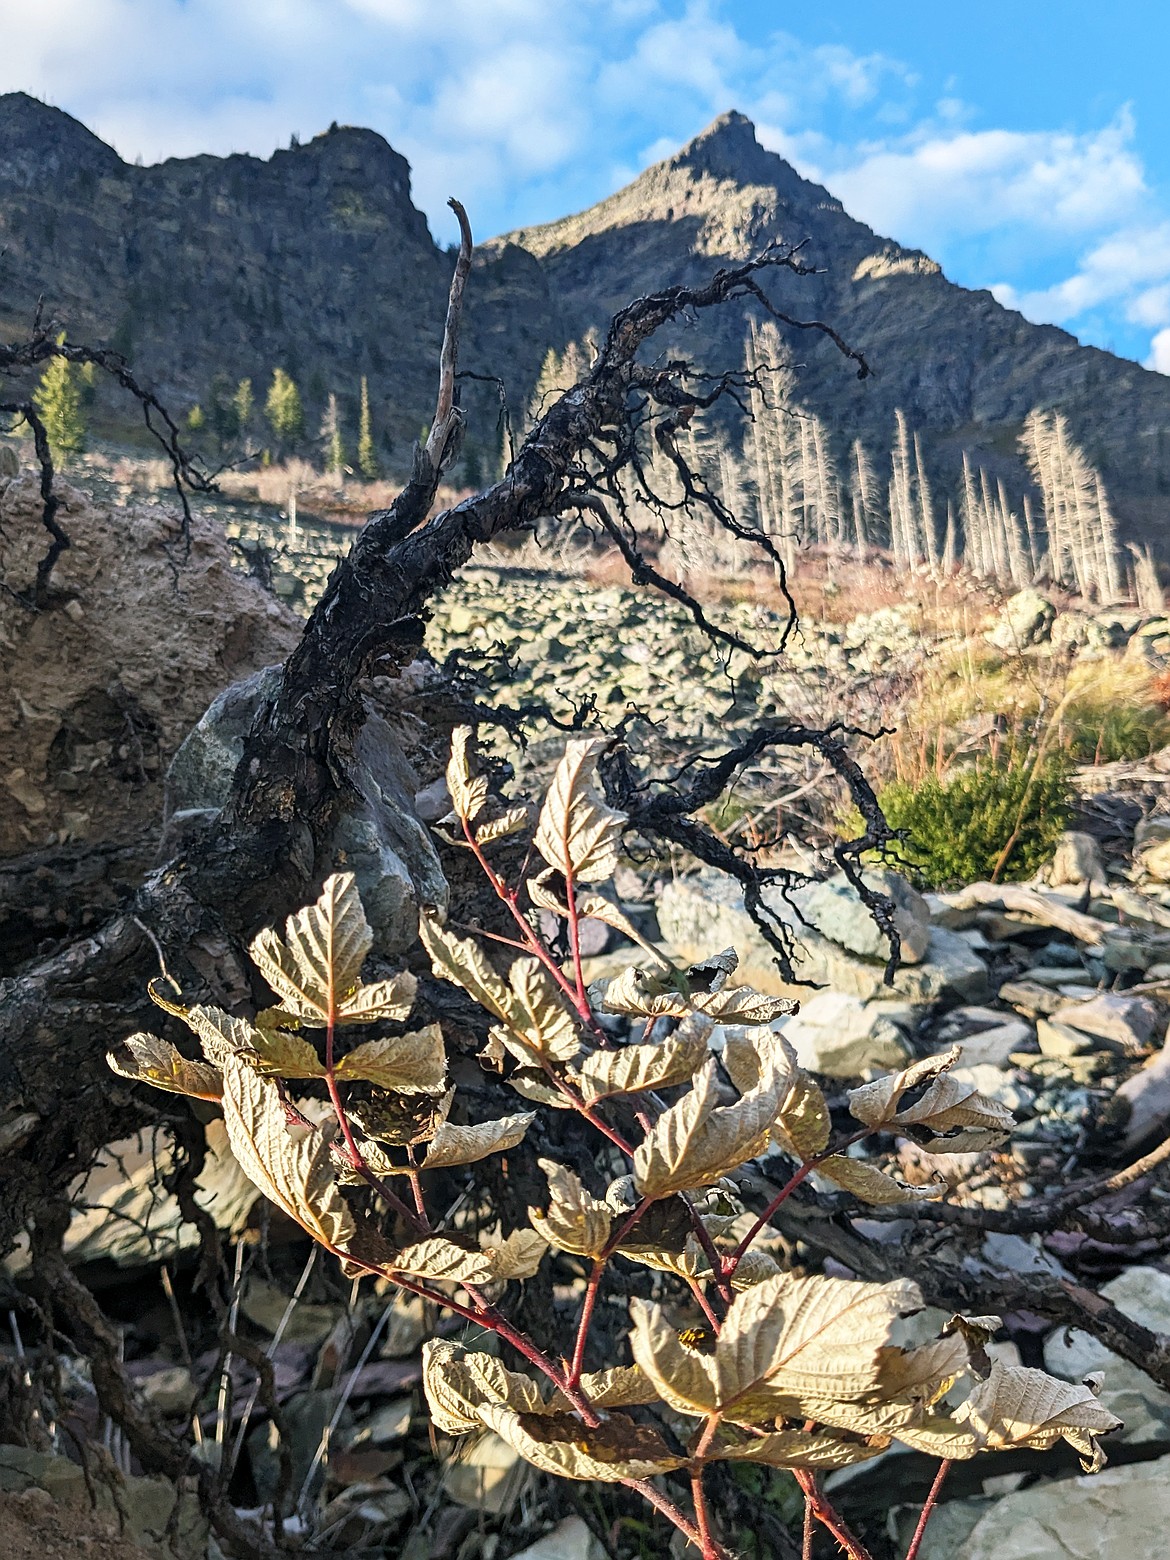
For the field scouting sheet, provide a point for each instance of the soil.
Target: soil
(100, 688)
(34, 1527)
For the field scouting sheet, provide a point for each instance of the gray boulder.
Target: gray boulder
(1025, 619)
(701, 915)
(835, 909)
(843, 1037)
(378, 835)
(1143, 1294)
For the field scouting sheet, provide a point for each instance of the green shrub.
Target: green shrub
(957, 827)
(1101, 732)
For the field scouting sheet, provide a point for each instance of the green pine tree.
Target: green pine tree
(283, 408)
(367, 459)
(58, 399)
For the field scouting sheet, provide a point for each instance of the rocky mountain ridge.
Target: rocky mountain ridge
(317, 259)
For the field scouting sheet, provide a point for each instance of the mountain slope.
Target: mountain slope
(964, 369)
(212, 269)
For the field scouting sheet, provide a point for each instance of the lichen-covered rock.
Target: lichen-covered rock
(1025, 619)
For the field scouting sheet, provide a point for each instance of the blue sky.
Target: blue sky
(1026, 145)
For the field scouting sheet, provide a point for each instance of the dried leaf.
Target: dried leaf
(397, 1118)
(219, 1033)
(574, 1221)
(518, 1256)
(683, 1378)
(443, 1257)
(279, 1054)
(638, 1067)
(802, 1124)
(388, 1001)
(463, 963)
(454, 1145)
(622, 1386)
(540, 1023)
(1016, 1406)
(576, 832)
(147, 1059)
(468, 791)
(947, 1106)
(871, 1184)
(694, 1143)
(793, 1449)
(646, 994)
(295, 1173)
(595, 907)
(318, 964)
(535, 1085)
(409, 1064)
(508, 823)
(560, 1444)
(458, 1382)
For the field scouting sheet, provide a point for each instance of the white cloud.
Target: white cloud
(1159, 357)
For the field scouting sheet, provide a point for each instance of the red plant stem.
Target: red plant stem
(583, 1007)
(419, 1199)
(785, 1192)
(703, 1236)
(944, 1468)
(698, 1493)
(806, 1541)
(670, 1511)
(587, 1305)
(827, 1516)
(705, 1304)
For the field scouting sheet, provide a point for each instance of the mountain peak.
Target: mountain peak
(38, 141)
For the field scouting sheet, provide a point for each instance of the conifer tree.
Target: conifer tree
(58, 399)
(367, 459)
(283, 408)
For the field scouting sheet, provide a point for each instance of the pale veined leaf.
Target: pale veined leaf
(577, 833)
(463, 963)
(408, 1064)
(457, 1382)
(147, 1059)
(508, 823)
(295, 1173)
(536, 1086)
(459, 1260)
(560, 1444)
(793, 1449)
(695, 1142)
(574, 1221)
(540, 1023)
(1017, 1406)
(622, 1386)
(802, 1124)
(961, 1117)
(683, 1378)
(219, 1033)
(871, 1184)
(802, 1337)
(319, 961)
(596, 907)
(645, 994)
(279, 1054)
(638, 1067)
(455, 1145)
(468, 791)
(376, 1160)
(928, 1371)
(388, 1001)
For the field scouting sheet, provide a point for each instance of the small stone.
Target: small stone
(1128, 1022)
(843, 1037)
(1155, 861)
(569, 1540)
(1147, 1093)
(1058, 1040)
(489, 1477)
(1153, 830)
(1077, 859)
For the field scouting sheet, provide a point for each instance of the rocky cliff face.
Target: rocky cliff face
(318, 260)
